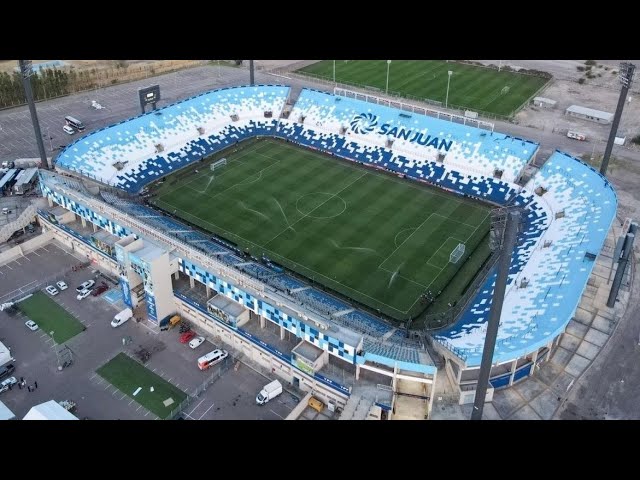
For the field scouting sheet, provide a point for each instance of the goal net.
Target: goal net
(220, 163)
(457, 253)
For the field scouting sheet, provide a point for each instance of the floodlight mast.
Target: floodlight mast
(626, 79)
(25, 72)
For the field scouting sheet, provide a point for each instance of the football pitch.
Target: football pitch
(471, 87)
(370, 236)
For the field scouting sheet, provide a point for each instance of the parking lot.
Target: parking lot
(230, 396)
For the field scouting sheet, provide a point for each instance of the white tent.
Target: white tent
(50, 410)
(5, 413)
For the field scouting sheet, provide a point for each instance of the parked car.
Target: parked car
(7, 370)
(85, 285)
(6, 211)
(103, 287)
(84, 293)
(68, 129)
(196, 342)
(31, 325)
(11, 381)
(51, 290)
(186, 336)
(61, 285)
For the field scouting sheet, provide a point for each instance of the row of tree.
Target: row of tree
(46, 83)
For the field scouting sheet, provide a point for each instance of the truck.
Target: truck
(269, 392)
(576, 135)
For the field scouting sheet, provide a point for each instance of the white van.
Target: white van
(121, 317)
(270, 391)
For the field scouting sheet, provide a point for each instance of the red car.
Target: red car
(187, 336)
(103, 287)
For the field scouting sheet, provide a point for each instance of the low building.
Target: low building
(543, 102)
(589, 114)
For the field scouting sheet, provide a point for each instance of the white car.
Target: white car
(85, 286)
(31, 325)
(68, 129)
(84, 293)
(61, 285)
(196, 342)
(4, 386)
(51, 290)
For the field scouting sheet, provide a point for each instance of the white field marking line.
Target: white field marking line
(92, 376)
(405, 240)
(475, 229)
(276, 414)
(403, 277)
(242, 183)
(7, 265)
(303, 268)
(17, 262)
(456, 221)
(36, 253)
(25, 257)
(207, 411)
(208, 171)
(146, 413)
(442, 270)
(194, 408)
(1, 272)
(132, 400)
(314, 209)
(123, 395)
(186, 414)
(434, 253)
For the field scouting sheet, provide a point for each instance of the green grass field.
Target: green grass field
(376, 238)
(471, 87)
(127, 375)
(51, 317)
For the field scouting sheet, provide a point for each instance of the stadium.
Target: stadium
(318, 232)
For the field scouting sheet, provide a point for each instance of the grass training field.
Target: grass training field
(373, 237)
(51, 317)
(127, 375)
(471, 87)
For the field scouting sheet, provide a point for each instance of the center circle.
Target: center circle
(321, 205)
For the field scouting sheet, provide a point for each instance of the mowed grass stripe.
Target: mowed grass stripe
(366, 215)
(51, 317)
(474, 87)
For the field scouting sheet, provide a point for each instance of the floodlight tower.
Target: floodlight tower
(503, 235)
(26, 71)
(626, 79)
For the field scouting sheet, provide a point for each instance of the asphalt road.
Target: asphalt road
(610, 389)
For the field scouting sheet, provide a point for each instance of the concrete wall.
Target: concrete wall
(25, 248)
(297, 411)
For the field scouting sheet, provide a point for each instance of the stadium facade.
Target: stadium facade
(297, 331)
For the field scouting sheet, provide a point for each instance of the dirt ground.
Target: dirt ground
(600, 93)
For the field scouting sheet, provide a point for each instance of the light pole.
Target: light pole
(388, 65)
(50, 143)
(446, 100)
(334, 71)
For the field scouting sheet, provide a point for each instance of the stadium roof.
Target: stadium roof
(7, 177)
(26, 176)
(590, 112)
(50, 410)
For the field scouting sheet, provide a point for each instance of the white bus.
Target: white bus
(211, 358)
(74, 122)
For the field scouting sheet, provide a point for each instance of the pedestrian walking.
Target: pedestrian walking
(36, 384)
(22, 380)
(29, 388)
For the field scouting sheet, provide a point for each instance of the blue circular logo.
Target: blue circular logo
(364, 123)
